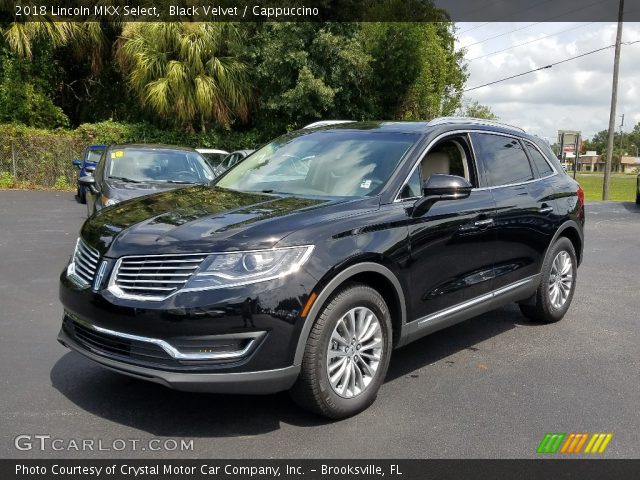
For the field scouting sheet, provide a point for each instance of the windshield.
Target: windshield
(94, 155)
(340, 163)
(158, 165)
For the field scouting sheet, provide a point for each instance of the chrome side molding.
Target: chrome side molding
(513, 292)
(475, 301)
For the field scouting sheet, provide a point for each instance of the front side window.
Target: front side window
(503, 159)
(341, 163)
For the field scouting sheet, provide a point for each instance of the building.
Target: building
(630, 164)
(590, 161)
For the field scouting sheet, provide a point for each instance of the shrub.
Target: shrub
(6, 180)
(43, 157)
(62, 183)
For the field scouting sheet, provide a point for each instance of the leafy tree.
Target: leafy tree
(24, 91)
(476, 110)
(84, 90)
(310, 71)
(623, 144)
(417, 73)
(307, 71)
(597, 143)
(187, 71)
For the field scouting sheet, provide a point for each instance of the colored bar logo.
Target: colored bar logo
(574, 442)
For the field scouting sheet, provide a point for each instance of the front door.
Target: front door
(452, 253)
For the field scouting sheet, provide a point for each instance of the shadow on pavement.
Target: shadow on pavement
(463, 336)
(631, 207)
(164, 412)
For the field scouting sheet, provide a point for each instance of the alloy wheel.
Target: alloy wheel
(560, 279)
(354, 352)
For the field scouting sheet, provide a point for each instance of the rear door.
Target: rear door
(521, 205)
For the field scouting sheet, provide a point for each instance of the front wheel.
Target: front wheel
(347, 354)
(557, 285)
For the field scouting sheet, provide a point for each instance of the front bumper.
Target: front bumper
(258, 382)
(184, 342)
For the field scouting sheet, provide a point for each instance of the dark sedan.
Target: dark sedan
(128, 171)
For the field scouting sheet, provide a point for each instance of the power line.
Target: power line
(503, 18)
(500, 35)
(473, 28)
(529, 42)
(550, 19)
(547, 66)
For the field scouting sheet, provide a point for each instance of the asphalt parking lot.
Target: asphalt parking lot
(487, 388)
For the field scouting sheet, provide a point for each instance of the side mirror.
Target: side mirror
(90, 169)
(88, 182)
(441, 187)
(77, 163)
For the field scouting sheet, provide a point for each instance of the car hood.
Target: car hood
(205, 219)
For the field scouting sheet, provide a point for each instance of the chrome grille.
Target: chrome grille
(85, 263)
(154, 276)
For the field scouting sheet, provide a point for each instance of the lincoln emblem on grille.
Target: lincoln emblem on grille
(99, 276)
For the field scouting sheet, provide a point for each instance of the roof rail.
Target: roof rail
(475, 121)
(324, 123)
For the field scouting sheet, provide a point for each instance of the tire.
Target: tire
(82, 195)
(314, 390)
(550, 303)
(637, 198)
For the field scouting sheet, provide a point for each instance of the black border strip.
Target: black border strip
(319, 10)
(323, 469)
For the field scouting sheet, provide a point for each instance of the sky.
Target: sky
(575, 95)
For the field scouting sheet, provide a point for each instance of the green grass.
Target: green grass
(621, 188)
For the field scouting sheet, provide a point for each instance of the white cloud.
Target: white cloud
(574, 95)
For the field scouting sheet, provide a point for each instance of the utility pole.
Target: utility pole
(621, 152)
(614, 100)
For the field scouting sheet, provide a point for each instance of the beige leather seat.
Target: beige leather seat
(435, 162)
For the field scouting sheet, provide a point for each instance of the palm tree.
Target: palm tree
(188, 71)
(20, 36)
(86, 38)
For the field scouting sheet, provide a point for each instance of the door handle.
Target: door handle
(484, 223)
(545, 208)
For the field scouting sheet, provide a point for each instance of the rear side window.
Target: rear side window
(544, 169)
(503, 159)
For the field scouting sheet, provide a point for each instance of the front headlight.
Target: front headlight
(107, 202)
(222, 270)
(71, 267)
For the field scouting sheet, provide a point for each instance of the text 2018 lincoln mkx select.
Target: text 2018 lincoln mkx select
(305, 265)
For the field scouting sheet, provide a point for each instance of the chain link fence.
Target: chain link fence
(40, 160)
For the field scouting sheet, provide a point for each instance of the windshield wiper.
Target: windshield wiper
(175, 181)
(125, 179)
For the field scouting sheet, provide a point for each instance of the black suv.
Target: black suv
(304, 266)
